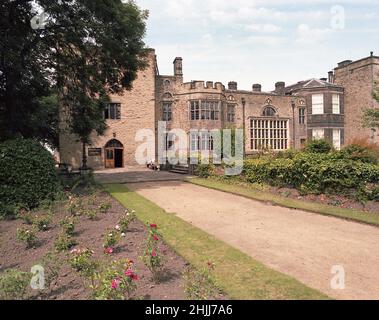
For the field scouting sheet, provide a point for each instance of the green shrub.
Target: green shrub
(105, 207)
(205, 170)
(152, 257)
(318, 146)
(317, 173)
(362, 153)
(13, 284)
(42, 223)
(64, 242)
(52, 264)
(115, 282)
(27, 236)
(81, 260)
(27, 175)
(111, 239)
(125, 220)
(68, 225)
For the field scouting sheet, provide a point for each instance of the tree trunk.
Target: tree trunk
(84, 156)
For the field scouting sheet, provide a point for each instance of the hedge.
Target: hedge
(317, 173)
(27, 175)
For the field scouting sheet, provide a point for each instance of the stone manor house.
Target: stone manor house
(329, 108)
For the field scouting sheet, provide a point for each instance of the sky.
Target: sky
(260, 41)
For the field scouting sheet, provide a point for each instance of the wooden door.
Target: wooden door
(109, 158)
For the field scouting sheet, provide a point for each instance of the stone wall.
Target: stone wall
(137, 112)
(358, 80)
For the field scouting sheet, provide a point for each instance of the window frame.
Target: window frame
(318, 107)
(167, 111)
(113, 111)
(270, 134)
(336, 104)
(231, 112)
(272, 112)
(302, 115)
(204, 110)
(337, 142)
(316, 136)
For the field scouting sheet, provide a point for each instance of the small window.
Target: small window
(269, 112)
(231, 113)
(336, 104)
(195, 141)
(113, 111)
(337, 139)
(206, 141)
(167, 111)
(302, 116)
(195, 110)
(318, 134)
(317, 104)
(204, 110)
(167, 83)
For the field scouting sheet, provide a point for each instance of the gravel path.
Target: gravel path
(301, 244)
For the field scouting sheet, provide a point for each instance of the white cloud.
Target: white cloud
(264, 28)
(308, 35)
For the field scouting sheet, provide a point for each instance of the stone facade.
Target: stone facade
(358, 79)
(274, 120)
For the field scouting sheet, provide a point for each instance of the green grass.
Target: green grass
(252, 193)
(236, 273)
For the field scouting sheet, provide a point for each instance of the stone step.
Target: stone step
(180, 169)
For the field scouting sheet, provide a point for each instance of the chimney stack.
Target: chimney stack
(331, 77)
(257, 87)
(232, 85)
(280, 87)
(178, 67)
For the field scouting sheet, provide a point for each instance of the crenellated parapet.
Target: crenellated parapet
(197, 85)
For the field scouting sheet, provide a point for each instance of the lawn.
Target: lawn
(235, 273)
(251, 193)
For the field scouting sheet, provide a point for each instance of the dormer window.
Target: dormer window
(269, 112)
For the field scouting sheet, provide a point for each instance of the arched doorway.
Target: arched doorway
(114, 154)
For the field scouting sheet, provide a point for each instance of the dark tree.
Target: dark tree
(75, 54)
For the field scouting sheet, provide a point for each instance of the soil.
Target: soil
(304, 245)
(90, 234)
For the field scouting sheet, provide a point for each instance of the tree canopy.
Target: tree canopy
(74, 52)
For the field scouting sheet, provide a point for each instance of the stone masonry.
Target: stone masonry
(276, 120)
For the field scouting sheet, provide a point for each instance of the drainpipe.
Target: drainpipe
(243, 100)
(293, 125)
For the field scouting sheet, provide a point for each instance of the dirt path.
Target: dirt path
(300, 244)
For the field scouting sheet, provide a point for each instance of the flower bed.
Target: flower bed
(103, 258)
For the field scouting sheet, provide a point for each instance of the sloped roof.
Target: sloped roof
(310, 84)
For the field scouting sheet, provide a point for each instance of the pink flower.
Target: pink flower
(115, 283)
(153, 254)
(108, 250)
(155, 238)
(153, 226)
(130, 273)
